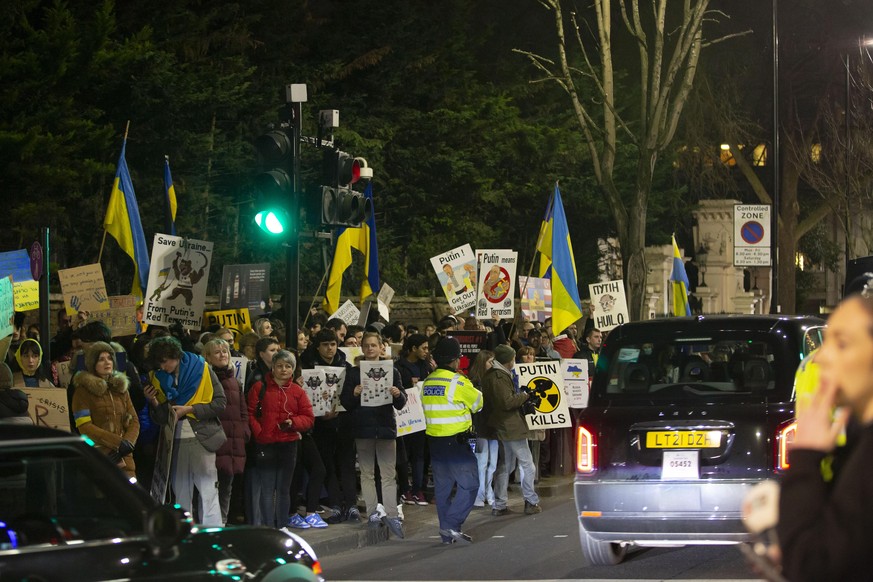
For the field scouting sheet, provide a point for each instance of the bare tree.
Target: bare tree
(668, 43)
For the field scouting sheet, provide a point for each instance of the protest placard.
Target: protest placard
(321, 395)
(383, 301)
(610, 304)
(348, 312)
(245, 287)
(472, 342)
(121, 315)
(576, 382)
(7, 307)
(177, 281)
(335, 377)
(25, 290)
(377, 377)
(240, 366)
(410, 418)
(84, 289)
(546, 379)
(163, 461)
(456, 271)
(48, 407)
(536, 298)
(495, 295)
(352, 353)
(238, 321)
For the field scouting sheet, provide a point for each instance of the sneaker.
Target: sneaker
(419, 498)
(499, 511)
(336, 516)
(451, 536)
(375, 520)
(353, 514)
(532, 508)
(314, 520)
(298, 522)
(380, 509)
(407, 498)
(394, 526)
(400, 512)
(479, 503)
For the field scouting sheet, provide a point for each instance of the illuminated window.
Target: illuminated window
(759, 155)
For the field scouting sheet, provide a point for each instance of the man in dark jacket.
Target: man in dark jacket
(13, 402)
(505, 417)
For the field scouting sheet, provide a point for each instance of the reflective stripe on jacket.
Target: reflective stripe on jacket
(449, 400)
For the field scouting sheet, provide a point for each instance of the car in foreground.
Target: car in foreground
(67, 513)
(684, 416)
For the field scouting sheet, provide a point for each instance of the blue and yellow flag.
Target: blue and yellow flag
(555, 246)
(123, 223)
(544, 240)
(362, 238)
(679, 280)
(170, 207)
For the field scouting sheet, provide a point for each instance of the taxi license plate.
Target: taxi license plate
(683, 439)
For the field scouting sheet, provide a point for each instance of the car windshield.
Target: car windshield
(689, 368)
(53, 497)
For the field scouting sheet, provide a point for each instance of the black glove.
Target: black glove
(124, 449)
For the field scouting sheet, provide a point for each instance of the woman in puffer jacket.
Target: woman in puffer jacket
(230, 459)
(102, 408)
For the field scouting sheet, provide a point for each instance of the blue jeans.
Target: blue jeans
(513, 450)
(487, 461)
(453, 464)
(273, 470)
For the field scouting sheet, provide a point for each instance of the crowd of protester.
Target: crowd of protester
(247, 446)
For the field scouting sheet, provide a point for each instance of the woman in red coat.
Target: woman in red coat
(230, 459)
(279, 411)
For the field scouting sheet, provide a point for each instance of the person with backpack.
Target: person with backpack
(278, 411)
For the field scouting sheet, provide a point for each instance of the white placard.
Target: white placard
(335, 377)
(321, 396)
(610, 304)
(495, 294)
(546, 379)
(456, 271)
(240, 367)
(410, 418)
(352, 353)
(377, 377)
(576, 381)
(680, 466)
(177, 281)
(348, 312)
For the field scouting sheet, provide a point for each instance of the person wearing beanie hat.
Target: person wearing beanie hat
(102, 408)
(449, 400)
(504, 354)
(504, 403)
(13, 402)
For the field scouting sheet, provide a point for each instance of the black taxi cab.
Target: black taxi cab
(684, 416)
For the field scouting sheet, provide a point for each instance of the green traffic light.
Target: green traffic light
(272, 221)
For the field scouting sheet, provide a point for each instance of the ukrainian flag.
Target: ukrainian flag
(544, 240)
(123, 223)
(556, 247)
(362, 238)
(170, 191)
(680, 284)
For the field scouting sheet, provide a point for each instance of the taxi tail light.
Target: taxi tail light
(586, 451)
(784, 437)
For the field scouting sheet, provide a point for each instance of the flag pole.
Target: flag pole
(103, 242)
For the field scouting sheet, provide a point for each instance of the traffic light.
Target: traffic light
(274, 188)
(340, 205)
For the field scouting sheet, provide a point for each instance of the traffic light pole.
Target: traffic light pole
(292, 250)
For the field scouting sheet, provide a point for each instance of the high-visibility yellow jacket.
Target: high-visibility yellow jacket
(449, 400)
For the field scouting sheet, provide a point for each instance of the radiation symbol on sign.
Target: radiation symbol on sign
(550, 393)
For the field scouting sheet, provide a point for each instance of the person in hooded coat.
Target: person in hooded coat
(13, 402)
(102, 408)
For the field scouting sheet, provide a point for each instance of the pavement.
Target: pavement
(419, 521)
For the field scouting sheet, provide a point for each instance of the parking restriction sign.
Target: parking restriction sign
(752, 235)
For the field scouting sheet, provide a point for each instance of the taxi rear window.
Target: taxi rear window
(680, 368)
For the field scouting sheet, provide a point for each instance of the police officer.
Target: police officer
(449, 401)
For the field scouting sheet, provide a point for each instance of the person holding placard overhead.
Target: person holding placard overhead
(375, 431)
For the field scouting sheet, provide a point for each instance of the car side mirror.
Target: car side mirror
(166, 527)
